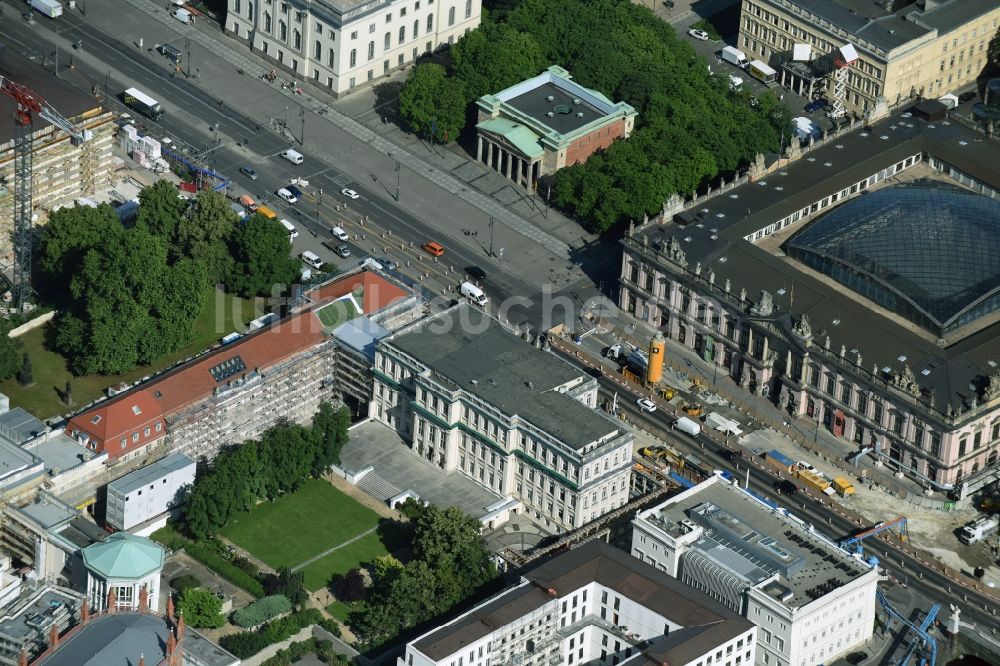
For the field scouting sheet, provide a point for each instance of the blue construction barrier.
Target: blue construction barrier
(687, 483)
(224, 182)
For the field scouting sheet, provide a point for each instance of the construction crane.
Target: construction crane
(897, 524)
(846, 56)
(928, 655)
(29, 103)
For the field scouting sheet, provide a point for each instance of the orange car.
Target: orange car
(433, 248)
(248, 203)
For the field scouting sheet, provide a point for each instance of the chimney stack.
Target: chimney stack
(53, 637)
(112, 600)
(85, 611)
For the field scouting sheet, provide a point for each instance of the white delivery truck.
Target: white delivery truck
(979, 529)
(734, 56)
(182, 15)
(762, 72)
(474, 294)
(293, 156)
(691, 427)
(51, 8)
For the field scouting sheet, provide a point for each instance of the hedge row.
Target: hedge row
(262, 610)
(245, 644)
(323, 650)
(214, 560)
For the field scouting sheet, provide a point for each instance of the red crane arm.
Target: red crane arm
(27, 100)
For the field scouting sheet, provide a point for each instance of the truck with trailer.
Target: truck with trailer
(979, 529)
(50, 8)
(780, 461)
(762, 72)
(814, 481)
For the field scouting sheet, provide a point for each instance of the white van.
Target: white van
(311, 259)
(293, 233)
(339, 233)
(293, 156)
(474, 294)
(183, 15)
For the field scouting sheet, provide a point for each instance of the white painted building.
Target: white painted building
(149, 493)
(811, 599)
(592, 605)
(471, 396)
(341, 44)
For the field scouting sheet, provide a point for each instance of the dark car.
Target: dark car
(966, 97)
(785, 487)
(815, 105)
(248, 172)
(475, 272)
(595, 372)
(294, 190)
(856, 658)
(728, 455)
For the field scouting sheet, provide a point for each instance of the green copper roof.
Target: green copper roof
(123, 555)
(517, 134)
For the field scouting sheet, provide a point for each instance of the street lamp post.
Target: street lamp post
(302, 117)
(319, 202)
(397, 181)
(187, 45)
(491, 236)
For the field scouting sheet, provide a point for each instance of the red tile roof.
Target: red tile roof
(193, 381)
(378, 292)
(124, 417)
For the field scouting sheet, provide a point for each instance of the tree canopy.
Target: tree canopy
(690, 125)
(261, 258)
(202, 608)
(433, 104)
(11, 351)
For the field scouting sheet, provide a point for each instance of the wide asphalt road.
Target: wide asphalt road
(224, 138)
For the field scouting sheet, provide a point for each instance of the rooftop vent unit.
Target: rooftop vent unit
(686, 526)
(550, 114)
(550, 98)
(576, 100)
(579, 114)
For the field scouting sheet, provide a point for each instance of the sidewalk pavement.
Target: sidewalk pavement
(228, 50)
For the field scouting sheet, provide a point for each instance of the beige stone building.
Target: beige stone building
(62, 171)
(905, 47)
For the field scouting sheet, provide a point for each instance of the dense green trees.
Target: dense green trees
(451, 563)
(283, 458)
(433, 104)
(690, 126)
(261, 258)
(11, 353)
(202, 608)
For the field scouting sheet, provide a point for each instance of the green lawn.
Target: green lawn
(342, 560)
(222, 314)
(301, 525)
(338, 312)
(339, 610)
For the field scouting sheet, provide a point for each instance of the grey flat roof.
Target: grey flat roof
(16, 627)
(746, 537)
(869, 20)
(467, 347)
(14, 459)
(564, 119)
(59, 452)
(48, 512)
(22, 424)
(594, 561)
(150, 473)
(826, 170)
(361, 335)
(81, 533)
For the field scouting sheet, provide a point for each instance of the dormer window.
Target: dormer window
(136, 410)
(96, 419)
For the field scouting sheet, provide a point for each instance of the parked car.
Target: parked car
(728, 455)
(967, 96)
(815, 105)
(339, 233)
(388, 263)
(646, 405)
(700, 35)
(349, 193)
(248, 172)
(294, 190)
(856, 658)
(475, 272)
(595, 373)
(433, 248)
(343, 251)
(287, 196)
(785, 487)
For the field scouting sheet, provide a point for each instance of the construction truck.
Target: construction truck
(843, 486)
(692, 409)
(979, 529)
(814, 481)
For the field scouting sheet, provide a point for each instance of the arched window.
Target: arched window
(416, 29)
(249, 10)
(402, 34)
(354, 57)
(371, 50)
(468, 8)
(430, 22)
(318, 51)
(388, 41)
(296, 40)
(267, 22)
(282, 31)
